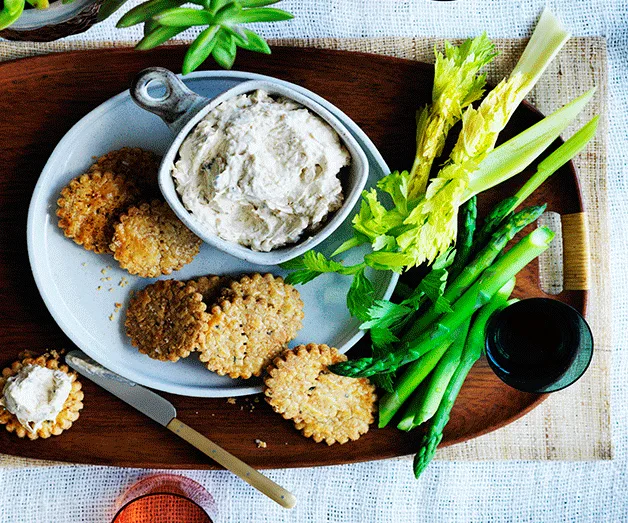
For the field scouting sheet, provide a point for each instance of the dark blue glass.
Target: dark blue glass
(539, 345)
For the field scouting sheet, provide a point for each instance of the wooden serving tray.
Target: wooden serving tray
(42, 97)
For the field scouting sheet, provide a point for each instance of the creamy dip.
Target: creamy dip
(260, 171)
(35, 395)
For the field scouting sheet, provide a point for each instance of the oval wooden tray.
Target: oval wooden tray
(42, 97)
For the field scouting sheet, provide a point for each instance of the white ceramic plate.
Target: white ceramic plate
(68, 277)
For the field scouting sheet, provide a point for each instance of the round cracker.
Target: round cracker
(252, 322)
(166, 320)
(210, 287)
(150, 241)
(91, 204)
(71, 408)
(324, 406)
(138, 165)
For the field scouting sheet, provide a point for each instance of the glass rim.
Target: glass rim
(151, 494)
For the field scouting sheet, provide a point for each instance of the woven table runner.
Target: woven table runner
(573, 424)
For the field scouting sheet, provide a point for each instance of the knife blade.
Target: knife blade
(146, 401)
(163, 412)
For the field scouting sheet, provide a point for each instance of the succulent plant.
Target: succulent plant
(223, 34)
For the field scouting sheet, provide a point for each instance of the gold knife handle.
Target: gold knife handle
(230, 462)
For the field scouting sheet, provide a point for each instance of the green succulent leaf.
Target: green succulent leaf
(180, 16)
(155, 34)
(257, 3)
(108, 8)
(225, 13)
(254, 42)
(201, 48)
(149, 26)
(216, 5)
(258, 14)
(224, 51)
(146, 11)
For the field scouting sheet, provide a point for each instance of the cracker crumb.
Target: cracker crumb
(111, 317)
(231, 401)
(103, 271)
(118, 305)
(260, 444)
(256, 400)
(84, 264)
(110, 289)
(108, 278)
(99, 287)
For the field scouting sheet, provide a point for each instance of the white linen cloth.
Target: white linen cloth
(387, 491)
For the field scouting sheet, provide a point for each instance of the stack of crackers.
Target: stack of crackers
(115, 208)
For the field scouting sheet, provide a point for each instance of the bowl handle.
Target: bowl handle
(176, 106)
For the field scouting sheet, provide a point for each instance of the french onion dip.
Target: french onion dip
(35, 395)
(259, 171)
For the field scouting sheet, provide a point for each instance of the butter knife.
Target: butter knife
(163, 412)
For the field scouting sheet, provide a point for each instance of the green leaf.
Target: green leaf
(383, 337)
(360, 296)
(433, 285)
(293, 264)
(180, 16)
(157, 36)
(301, 277)
(396, 184)
(200, 49)
(384, 381)
(316, 261)
(313, 264)
(385, 314)
(217, 5)
(256, 14)
(257, 3)
(388, 261)
(149, 26)
(254, 42)
(224, 12)
(224, 51)
(146, 11)
(384, 242)
(356, 240)
(108, 8)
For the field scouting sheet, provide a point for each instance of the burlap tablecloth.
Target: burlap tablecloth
(573, 424)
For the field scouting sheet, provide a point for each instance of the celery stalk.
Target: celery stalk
(456, 85)
(517, 153)
(432, 224)
(557, 159)
(548, 38)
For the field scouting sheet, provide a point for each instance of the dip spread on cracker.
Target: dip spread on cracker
(259, 171)
(36, 394)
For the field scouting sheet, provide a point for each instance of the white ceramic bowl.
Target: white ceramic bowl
(181, 109)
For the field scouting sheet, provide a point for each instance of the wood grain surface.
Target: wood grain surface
(42, 97)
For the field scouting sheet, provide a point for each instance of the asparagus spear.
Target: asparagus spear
(409, 381)
(464, 242)
(425, 403)
(492, 279)
(545, 169)
(473, 270)
(472, 351)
